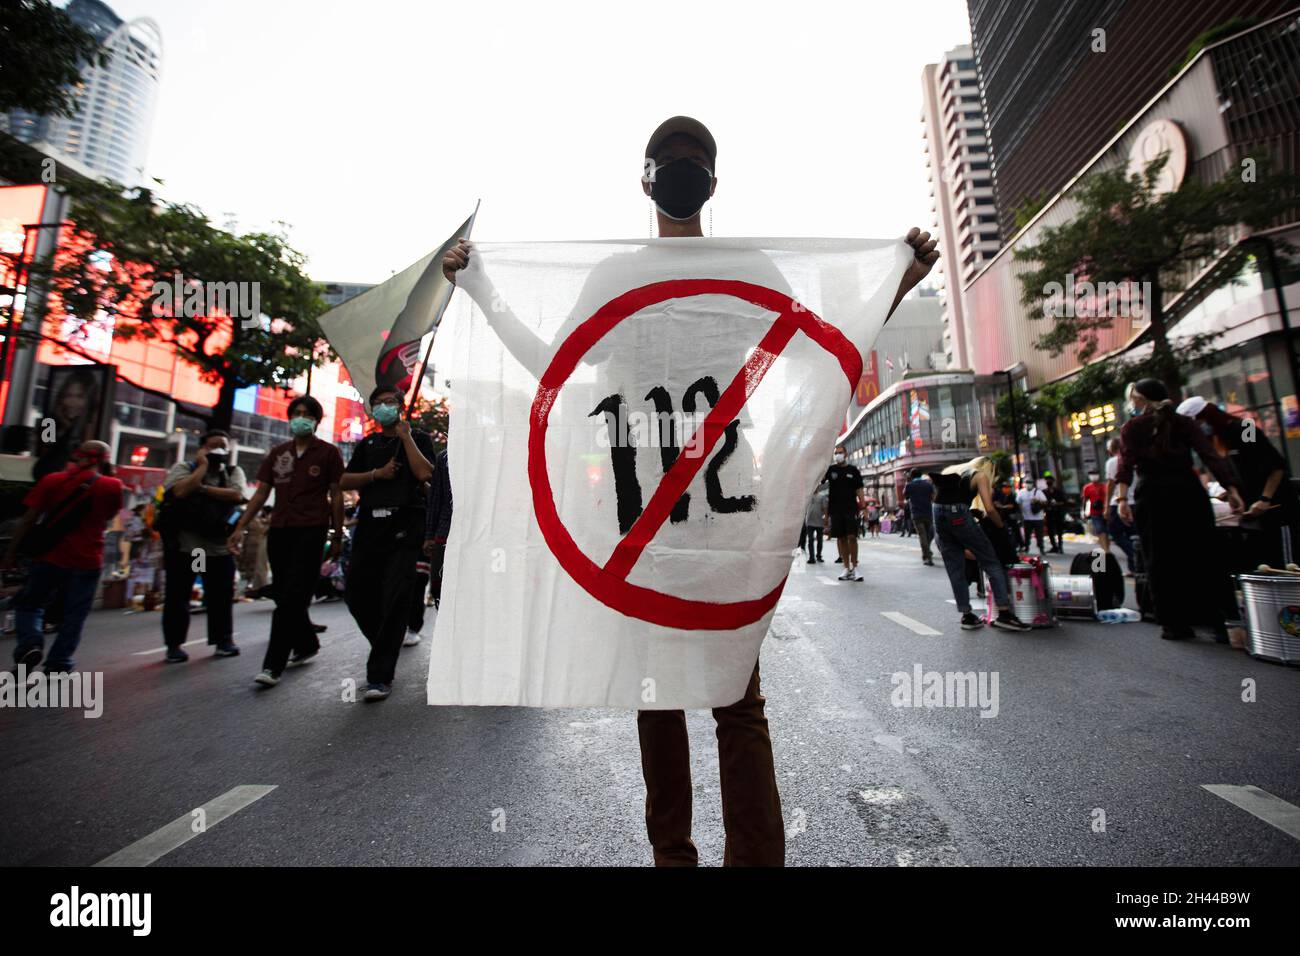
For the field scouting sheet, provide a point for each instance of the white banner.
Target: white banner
(636, 428)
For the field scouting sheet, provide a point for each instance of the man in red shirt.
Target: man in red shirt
(75, 505)
(1094, 508)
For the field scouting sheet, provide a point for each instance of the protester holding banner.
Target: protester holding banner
(679, 179)
(199, 499)
(304, 473)
(389, 467)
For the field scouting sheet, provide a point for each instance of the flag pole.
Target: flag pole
(419, 380)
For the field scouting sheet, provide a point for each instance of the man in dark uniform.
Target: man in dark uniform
(389, 467)
(844, 482)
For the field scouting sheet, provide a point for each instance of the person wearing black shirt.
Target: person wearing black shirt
(959, 491)
(389, 467)
(844, 487)
(1186, 572)
(1271, 506)
(1055, 514)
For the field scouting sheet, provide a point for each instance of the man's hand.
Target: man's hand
(235, 543)
(1235, 502)
(924, 255)
(1259, 508)
(388, 470)
(429, 545)
(403, 428)
(457, 258)
(1125, 512)
(200, 458)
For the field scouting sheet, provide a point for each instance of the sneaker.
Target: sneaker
(228, 649)
(377, 691)
(839, 560)
(412, 638)
(812, 560)
(176, 655)
(1007, 621)
(821, 560)
(970, 621)
(29, 658)
(846, 576)
(856, 576)
(266, 679)
(301, 657)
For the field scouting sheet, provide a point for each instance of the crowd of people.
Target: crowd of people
(387, 548)
(1185, 530)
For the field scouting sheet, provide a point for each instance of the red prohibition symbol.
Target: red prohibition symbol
(609, 584)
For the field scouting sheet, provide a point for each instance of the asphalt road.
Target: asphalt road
(1091, 720)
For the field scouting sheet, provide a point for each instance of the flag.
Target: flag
(378, 333)
(636, 428)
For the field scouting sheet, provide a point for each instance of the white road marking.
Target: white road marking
(1260, 803)
(160, 650)
(181, 830)
(909, 623)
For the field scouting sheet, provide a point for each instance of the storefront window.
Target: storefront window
(1238, 382)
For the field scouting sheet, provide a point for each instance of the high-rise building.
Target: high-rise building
(961, 188)
(109, 134)
(1058, 79)
(336, 293)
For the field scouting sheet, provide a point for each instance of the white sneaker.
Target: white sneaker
(266, 679)
(412, 638)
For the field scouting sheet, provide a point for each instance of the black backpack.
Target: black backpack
(195, 513)
(1107, 585)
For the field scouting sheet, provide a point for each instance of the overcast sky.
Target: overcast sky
(371, 128)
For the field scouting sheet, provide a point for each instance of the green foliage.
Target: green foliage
(1128, 232)
(42, 54)
(1028, 208)
(152, 241)
(432, 417)
(1212, 35)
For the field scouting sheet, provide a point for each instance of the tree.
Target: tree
(1128, 232)
(245, 314)
(432, 417)
(42, 54)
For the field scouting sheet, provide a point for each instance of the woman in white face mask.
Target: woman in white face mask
(1188, 579)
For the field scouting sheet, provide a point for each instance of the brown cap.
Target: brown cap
(687, 126)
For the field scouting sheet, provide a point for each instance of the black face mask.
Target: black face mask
(681, 188)
(217, 459)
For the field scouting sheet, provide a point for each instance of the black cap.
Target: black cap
(687, 126)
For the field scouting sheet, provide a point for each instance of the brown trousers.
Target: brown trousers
(751, 805)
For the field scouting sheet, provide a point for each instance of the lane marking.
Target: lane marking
(181, 830)
(1260, 803)
(909, 623)
(160, 650)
